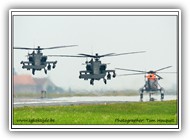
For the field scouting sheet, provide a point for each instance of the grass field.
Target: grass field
(120, 113)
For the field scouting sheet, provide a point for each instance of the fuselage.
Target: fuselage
(151, 82)
(94, 70)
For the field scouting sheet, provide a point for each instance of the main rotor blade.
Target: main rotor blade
(163, 68)
(109, 54)
(131, 74)
(57, 47)
(95, 56)
(87, 55)
(131, 70)
(166, 72)
(23, 48)
(127, 53)
(64, 56)
(38, 48)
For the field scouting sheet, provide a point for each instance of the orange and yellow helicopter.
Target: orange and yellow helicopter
(151, 81)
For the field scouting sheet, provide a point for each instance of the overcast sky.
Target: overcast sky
(157, 35)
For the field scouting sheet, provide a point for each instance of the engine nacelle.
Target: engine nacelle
(103, 67)
(88, 67)
(43, 59)
(31, 59)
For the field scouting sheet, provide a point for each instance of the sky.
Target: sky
(157, 35)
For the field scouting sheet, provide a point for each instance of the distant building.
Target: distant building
(24, 84)
(28, 84)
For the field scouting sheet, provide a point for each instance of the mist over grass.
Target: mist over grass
(86, 93)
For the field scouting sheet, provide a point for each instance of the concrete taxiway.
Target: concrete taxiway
(63, 101)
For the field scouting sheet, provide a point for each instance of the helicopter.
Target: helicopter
(95, 69)
(38, 61)
(151, 82)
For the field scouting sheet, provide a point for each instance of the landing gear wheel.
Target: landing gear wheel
(141, 94)
(49, 67)
(45, 71)
(141, 97)
(109, 76)
(150, 98)
(114, 75)
(53, 66)
(162, 94)
(33, 71)
(92, 81)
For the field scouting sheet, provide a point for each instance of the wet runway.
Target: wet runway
(20, 102)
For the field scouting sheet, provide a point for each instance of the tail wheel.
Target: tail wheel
(92, 81)
(33, 71)
(105, 82)
(150, 97)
